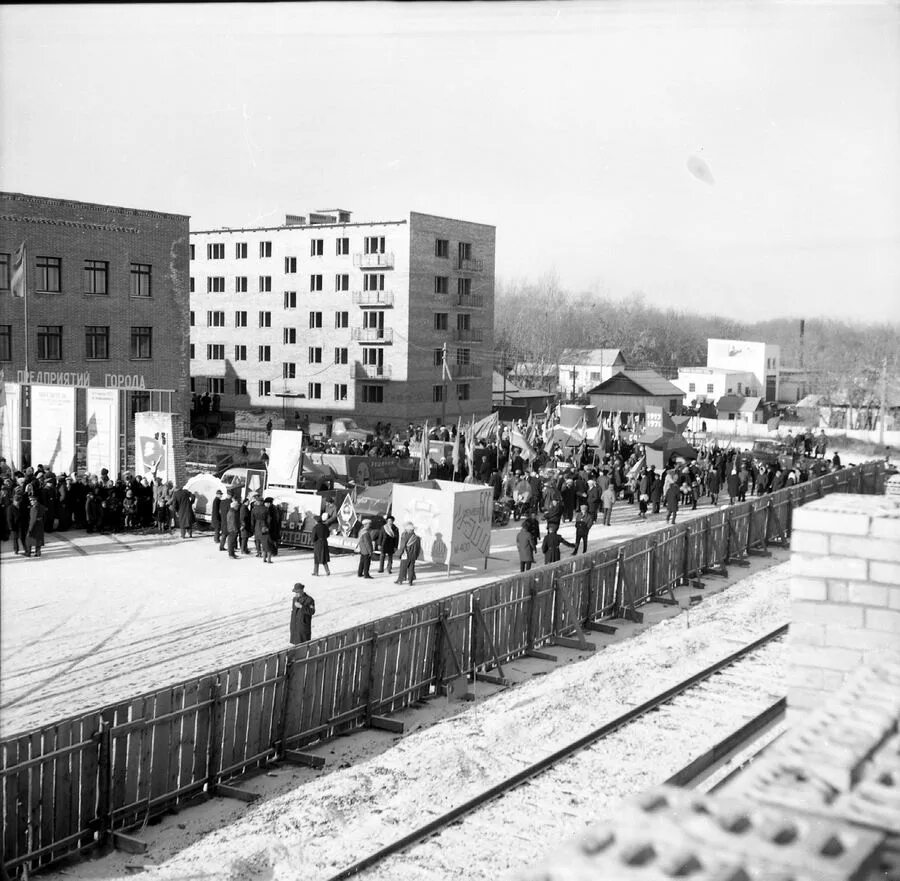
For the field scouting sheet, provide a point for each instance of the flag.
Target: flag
(517, 439)
(470, 449)
(423, 455)
(17, 283)
(445, 370)
(456, 459)
(486, 428)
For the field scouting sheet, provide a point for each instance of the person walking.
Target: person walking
(215, 520)
(408, 551)
(608, 498)
(258, 520)
(672, 495)
(14, 514)
(656, 488)
(303, 608)
(271, 530)
(246, 526)
(182, 504)
(364, 544)
(35, 536)
(388, 537)
(232, 527)
(321, 554)
(712, 486)
(526, 546)
(583, 524)
(550, 544)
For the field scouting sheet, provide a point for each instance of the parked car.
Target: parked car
(772, 452)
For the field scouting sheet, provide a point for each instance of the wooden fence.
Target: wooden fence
(67, 786)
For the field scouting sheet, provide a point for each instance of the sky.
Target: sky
(568, 126)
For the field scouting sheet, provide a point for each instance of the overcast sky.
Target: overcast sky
(568, 126)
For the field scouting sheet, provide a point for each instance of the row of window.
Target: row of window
(216, 318)
(96, 343)
(216, 352)
(369, 394)
(710, 389)
(94, 274)
(372, 281)
(216, 250)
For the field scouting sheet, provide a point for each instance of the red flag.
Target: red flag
(17, 283)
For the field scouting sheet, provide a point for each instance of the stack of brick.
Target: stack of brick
(845, 593)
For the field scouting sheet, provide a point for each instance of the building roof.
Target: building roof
(738, 404)
(498, 384)
(591, 357)
(637, 382)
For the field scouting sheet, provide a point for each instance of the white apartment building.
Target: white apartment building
(329, 317)
(708, 384)
(733, 367)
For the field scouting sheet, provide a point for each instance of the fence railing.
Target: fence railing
(67, 786)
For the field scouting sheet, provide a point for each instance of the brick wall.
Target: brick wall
(845, 592)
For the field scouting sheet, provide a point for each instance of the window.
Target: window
(438, 357)
(692, 386)
(315, 354)
(141, 343)
(5, 342)
(96, 343)
(193, 352)
(215, 318)
(288, 370)
(290, 299)
(265, 249)
(265, 388)
(290, 264)
(441, 284)
(49, 274)
(462, 391)
(464, 251)
(215, 352)
(437, 394)
(440, 321)
(265, 353)
(215, 284)
(240, 386)
(341, 319)
(373, 394)
(463, 287)
(215, 385)
(49, 340)
(740, 386)
(464, 321)
(730, 391)
(193, 384)
(240, 319)
(4, 272)
(240, 353)
(374, 244)
(314, 390)
(373, 281)
(265, 284)
(315, 282)
(192, 252)
(265, 319)
(192, 318)
(463, 356)
(315, 319)
(373, 356)
(340, 391)
(290, 336)
(710, 389)
(340, 355)
(191, 284)
(240, 250)
(374, 319)
(240, 284)
(140, 402)
(96, 274)
(215, 251)
(316, 247)
(342, 247)
(342, 282)
(441, 248)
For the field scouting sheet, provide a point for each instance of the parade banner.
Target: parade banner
(284, 458)
(154, 453)
(102, 430)
(11, 423)
(53, 427)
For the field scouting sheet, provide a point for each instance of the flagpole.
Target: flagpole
(25, 297)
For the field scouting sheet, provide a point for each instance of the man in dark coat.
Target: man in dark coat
(232, 527)
(712, 485)
(550, 545)
(303, 608)
(246, 526)
(321, 554)
(364, 543)
(35, 536)
(526, 546)
(583, 524)
(258, 519)
(388, 538)
(182, 504)
(14, 513)
(408, 551)
(215, 520)
(271, 530)
(673, 495)
(656, 488)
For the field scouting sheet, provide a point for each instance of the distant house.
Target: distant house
(514, 402)
(741, 409)
(630, 391)
(582, 369)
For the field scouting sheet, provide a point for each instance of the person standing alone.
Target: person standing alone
(365, 550)
(303, 608)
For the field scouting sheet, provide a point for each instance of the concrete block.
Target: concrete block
(856, 638)
(869, 548)
(804, 698)
(827, 613)
(808, 565)
(808, 519)
(886, 527)
(832, 680)
(809, 543)
(825, 657)
(867, 594)
(884, 573)
(808, 588)
(802, 633)
(805, 677)
(894, 597)
(883, 619)
(838, 591)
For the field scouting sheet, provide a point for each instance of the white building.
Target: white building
(708, 384)
(327, 317)
(582, 369)
(733, 367)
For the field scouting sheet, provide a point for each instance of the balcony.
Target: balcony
(470, 301)
(379, 335)
(461, 264)
(374, 261)
(373, 299)
(371, 371)
(468, 335)
(466, 371)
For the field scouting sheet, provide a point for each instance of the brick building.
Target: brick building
(107, 309)
(327, 317)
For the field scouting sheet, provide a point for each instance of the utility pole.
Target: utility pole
(883, 401)
(445, 372)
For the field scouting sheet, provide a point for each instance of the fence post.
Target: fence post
(619, 589)
(532, 611)
(214, 737)
(282, 710)
(370, 687)
(437, 665)
(104, 779)
(726, 559)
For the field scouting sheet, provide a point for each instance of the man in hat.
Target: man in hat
(232, 527)
(364, 543)
(246, 525)
(408, 551)
(215, 520)
(302, 610)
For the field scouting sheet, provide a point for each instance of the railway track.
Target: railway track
(707, 718)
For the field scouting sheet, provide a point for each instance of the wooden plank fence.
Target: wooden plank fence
(67, 786)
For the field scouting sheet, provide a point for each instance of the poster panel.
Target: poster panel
(431, 511)
(471, 536)
(284, 457)
(154, 452)
(11, 424)
(53, 427)
(102, 430)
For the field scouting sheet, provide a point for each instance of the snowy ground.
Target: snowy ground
(101, 618)
(312, 823)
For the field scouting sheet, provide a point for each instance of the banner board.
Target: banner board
(369, 470)
(102, 430)
(11, 424)
(53, 427)
(154, 451)
(284, 458)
